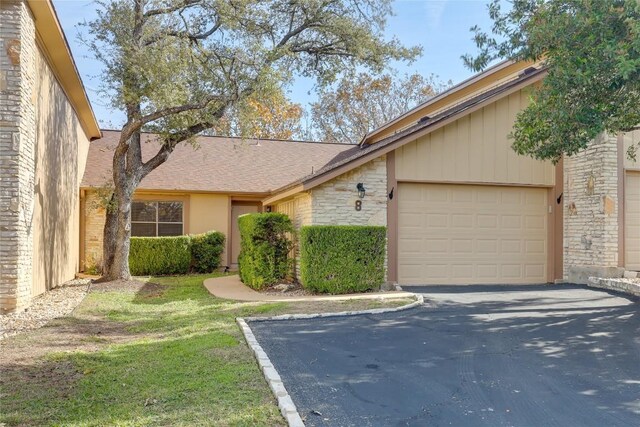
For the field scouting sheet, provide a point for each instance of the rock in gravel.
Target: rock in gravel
(284, 287)
(58, 302)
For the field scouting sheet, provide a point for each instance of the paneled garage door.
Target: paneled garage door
(632, 221)
(471, 234)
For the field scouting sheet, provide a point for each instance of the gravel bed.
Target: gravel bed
(119, 286)
(58, 302)
(288, 289)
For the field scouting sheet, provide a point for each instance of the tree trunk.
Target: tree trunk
(117, 234)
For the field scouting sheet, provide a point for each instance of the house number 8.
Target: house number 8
(358, 205)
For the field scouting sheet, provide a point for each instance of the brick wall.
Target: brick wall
(591, 212)
(17, 152)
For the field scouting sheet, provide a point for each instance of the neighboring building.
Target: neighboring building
(46, 124)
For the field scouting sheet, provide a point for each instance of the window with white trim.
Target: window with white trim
(151, 219)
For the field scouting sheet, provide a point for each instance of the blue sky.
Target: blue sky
(440, 26)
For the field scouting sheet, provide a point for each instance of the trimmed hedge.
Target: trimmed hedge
(159, 255)
(264, 248)
(338, 259)
(176, 254)
(206, 249)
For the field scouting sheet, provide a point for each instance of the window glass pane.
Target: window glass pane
(170, 211)
(143, 211)
(174, 229)
(143, 229)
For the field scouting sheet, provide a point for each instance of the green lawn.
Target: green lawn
(167, 355)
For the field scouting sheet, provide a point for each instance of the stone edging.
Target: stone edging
(285, 403)
(626, 286)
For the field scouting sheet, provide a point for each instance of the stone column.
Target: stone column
(17, 152)
(590, 212)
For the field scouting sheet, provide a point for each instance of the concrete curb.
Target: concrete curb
(285, 403)
(287, 407)
(419, 301)
(617, 284)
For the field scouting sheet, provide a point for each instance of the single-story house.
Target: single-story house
(460, 205)
(200, 188)
(46, 123)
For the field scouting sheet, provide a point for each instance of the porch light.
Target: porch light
(361, 190)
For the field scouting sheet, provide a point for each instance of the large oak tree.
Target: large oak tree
(177, 67)
(591, 49)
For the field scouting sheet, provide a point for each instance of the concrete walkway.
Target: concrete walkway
(230, 287)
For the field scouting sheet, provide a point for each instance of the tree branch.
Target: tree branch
(170, 144)
(184, 34)
(163, 11)
(175, 110)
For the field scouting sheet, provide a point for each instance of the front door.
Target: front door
(238, 209)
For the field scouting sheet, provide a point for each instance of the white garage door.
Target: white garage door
(632, 221)
(470, 234)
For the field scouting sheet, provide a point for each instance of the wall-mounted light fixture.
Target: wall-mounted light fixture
(361, 190)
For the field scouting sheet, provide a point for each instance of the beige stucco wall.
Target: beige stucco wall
(202, 212)
(61, 152)
(210, 212)
(475, 148)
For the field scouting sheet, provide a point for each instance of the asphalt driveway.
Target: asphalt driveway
(472, 356)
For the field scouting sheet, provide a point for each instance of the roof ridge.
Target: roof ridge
(251, 139)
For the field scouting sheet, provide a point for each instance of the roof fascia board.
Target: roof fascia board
(327, 176)
(476, 82)
(283, 195)
(58, 54)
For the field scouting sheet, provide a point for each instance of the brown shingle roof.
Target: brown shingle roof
(218, 164)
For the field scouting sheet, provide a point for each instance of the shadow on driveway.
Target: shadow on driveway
(525, 356)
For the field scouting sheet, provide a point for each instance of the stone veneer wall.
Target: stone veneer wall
(591, 212)
(17, 152)
(333, 203)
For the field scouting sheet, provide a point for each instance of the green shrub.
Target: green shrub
(206, 249)
(264, 248)
(159, 255)
(339, 259)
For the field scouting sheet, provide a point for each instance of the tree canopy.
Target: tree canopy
(362, 102)
(268, 116)
(591, 50)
